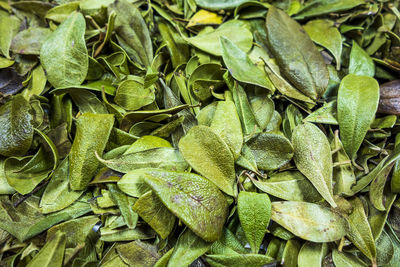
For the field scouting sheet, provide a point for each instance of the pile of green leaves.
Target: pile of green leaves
(199, 132)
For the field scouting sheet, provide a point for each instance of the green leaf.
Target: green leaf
(76, 230)
(9, 26)
(210, 156)
(326, 114)
(92, 132)
(309, 221)
(25, 173)
(209, 41)
(138, 253)
(187, 249)
(239, 260)
(271, 151)
(321, 7)
(58, 195)
(227, 244)
(16, 129)
(254, 212)
(147, 142)
(226, 124)
(384, 249)
(219, 4)
(176, 44)
(166, 158)
(360, 62)
(263, 108)
(312, 254)
(87, 102)
(133, 185)
(243, 108)
(154, 213)
(132, 32)
(29, 41)
(376, 190)
(5, 188)
(61, 12)
(359, 232)
(290, 253)
(189, 197)
(126, 234)
(132, 95)
(344, 173)
(52, 253)
(37, 84)
(64, 54)
(346, 259)
(297, 56)
(26, 221)
(357, 103)
(5, 63)
(312, 155)
(241, 67)
(324, 33)
(123, 203)
(289, 185)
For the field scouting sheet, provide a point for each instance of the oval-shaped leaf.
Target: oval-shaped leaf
(219, 4)
(309, 221)
(167, 158)
(312, 155)
(239, 260)
(16, 129)
(289, 185)
(271, 151)
(359, 232)
(324, 33)
(132, 32)
(92, 132)
(209, 42)
(296, 54)
(58, 195)
(132, 95)
(312, 254)
(226, 124)
(190, 197)
(209, 155)
(64, 55)
(360, 62)
(154, 213)
(187, 249)
(357, 103)
(29, 41)
(241, 67)
(254, 212)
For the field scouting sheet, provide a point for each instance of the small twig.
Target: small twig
(25, 197)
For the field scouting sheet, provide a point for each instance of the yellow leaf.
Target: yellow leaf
(204, 17)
